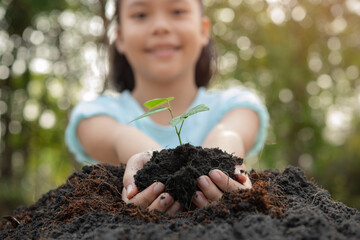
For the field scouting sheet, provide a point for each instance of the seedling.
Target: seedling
(154, 103)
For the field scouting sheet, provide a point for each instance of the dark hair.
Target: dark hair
(122, 77)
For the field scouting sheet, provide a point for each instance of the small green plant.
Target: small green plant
(154, 103)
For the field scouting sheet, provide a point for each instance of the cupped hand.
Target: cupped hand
(153, 197)
(213, 186)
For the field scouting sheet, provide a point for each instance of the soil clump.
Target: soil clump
(179, 168)
(280, 205)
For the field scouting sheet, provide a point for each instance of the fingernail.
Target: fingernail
(165, 200)
(203, 182)
(200, 199)
(214, 174)
(241, 178)
(177, 206)
(129, 189)
(158, 188)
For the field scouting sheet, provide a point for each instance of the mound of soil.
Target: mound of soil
(281, 205)
(179, 168)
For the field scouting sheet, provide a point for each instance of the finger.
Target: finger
(224, 182)
(146, 197)
(162, 202)
(176, 207)
(242, 175)
(200, 200)
(241, 178)
(208, 188)
(131, 189)
(246, 183)
(134, 164)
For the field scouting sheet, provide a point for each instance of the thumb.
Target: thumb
(242, 176)
(135, 163)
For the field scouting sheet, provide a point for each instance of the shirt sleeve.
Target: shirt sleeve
(244, 98)
(86, 110)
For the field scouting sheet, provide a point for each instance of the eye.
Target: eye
(139, 15)
(179, 11)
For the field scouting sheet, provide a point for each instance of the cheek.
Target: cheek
(191, 32)
(131, 34)
(194, 39)
(134, 41)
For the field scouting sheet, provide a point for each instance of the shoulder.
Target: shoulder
(105, 100)
(222, 102)
(108, 104)
(234, 95)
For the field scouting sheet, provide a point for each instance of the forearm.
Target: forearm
(236, 132)
(108, 141)
(130, 141)
(226, 140)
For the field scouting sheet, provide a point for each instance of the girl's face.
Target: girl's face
(162, 39)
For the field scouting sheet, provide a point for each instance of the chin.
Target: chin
(165, 75)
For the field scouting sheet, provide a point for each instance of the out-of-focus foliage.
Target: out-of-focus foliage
(302, 57)
(47, 52)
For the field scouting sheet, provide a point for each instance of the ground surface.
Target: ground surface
(281, 205)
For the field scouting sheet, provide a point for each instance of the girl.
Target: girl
(163, 49)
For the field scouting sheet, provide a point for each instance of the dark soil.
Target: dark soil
(179, 168)
(281, 205)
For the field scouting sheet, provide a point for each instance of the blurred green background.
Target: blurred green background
(301, 56)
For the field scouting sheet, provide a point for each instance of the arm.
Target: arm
(108, 141)
(236, 133)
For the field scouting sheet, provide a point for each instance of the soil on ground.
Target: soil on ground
(280, 205)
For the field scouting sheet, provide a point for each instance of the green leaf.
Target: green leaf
(150, 113)
(199, 108)
(194, 110)
(176, 120)
(157, 102)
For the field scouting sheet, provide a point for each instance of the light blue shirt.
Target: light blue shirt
(124, 108)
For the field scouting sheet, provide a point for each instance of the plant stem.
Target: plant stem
(172, 117)
(178, 132)
(181, 126)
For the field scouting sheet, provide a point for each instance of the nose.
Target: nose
(161, 25)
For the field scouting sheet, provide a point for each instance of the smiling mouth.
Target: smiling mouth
(163, 51)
